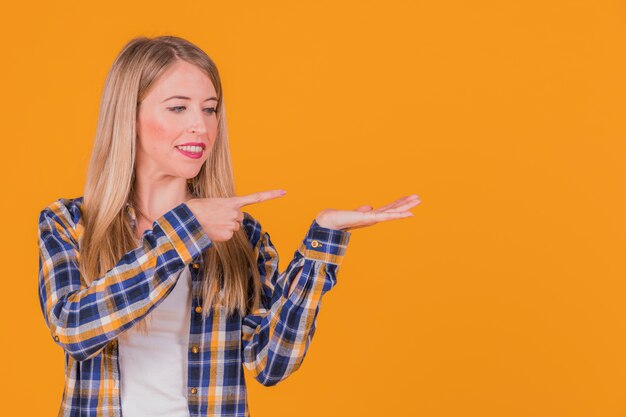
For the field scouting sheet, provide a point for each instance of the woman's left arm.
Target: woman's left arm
(275, 337)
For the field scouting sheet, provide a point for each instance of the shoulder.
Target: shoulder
(63, 211)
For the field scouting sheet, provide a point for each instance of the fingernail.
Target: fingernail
(283, 192)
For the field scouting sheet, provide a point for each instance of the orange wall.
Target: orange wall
(503, 296)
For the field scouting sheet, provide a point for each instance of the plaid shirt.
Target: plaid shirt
(86, 320)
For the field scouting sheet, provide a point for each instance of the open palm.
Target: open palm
(364, 216)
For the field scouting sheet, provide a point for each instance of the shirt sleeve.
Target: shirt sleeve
(83, 319)
(275, 337)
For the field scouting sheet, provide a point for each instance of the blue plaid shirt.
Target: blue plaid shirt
(85, 321)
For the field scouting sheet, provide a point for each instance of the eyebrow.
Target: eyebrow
(187, 98)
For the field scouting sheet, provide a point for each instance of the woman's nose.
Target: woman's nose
(197, 129)
(197, 125)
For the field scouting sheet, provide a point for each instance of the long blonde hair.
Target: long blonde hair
(108, 235)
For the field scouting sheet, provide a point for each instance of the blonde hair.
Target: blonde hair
(108, 234)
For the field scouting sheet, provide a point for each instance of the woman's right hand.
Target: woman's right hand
(221, 217)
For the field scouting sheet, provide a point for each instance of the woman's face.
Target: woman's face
(179, 109)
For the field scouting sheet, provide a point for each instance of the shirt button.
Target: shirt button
(198, 309)
(56, 338)
(194, 390)
(195, 349)
(315, 244)
(196, 266)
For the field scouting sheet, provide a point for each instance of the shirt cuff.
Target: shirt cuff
(184, 231)
(324, 244)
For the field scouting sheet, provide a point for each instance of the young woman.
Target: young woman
(155, 283)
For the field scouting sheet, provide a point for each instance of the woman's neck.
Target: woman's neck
(155, 197)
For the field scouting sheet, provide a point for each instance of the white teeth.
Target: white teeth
(195, 149)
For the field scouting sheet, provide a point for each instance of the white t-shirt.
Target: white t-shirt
(153, 366)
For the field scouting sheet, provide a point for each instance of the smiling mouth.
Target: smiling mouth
(194, 152)
(191, 148)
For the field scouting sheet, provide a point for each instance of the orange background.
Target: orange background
(503, 296)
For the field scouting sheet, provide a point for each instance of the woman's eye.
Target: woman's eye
(178, 109)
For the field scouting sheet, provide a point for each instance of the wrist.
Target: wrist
(323, 222)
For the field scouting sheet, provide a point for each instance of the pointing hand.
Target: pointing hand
(221, 217)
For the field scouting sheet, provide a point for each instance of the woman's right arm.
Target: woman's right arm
(82, 320)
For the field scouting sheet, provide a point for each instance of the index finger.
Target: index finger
(257, 197)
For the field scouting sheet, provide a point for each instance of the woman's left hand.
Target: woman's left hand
(365, 215)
